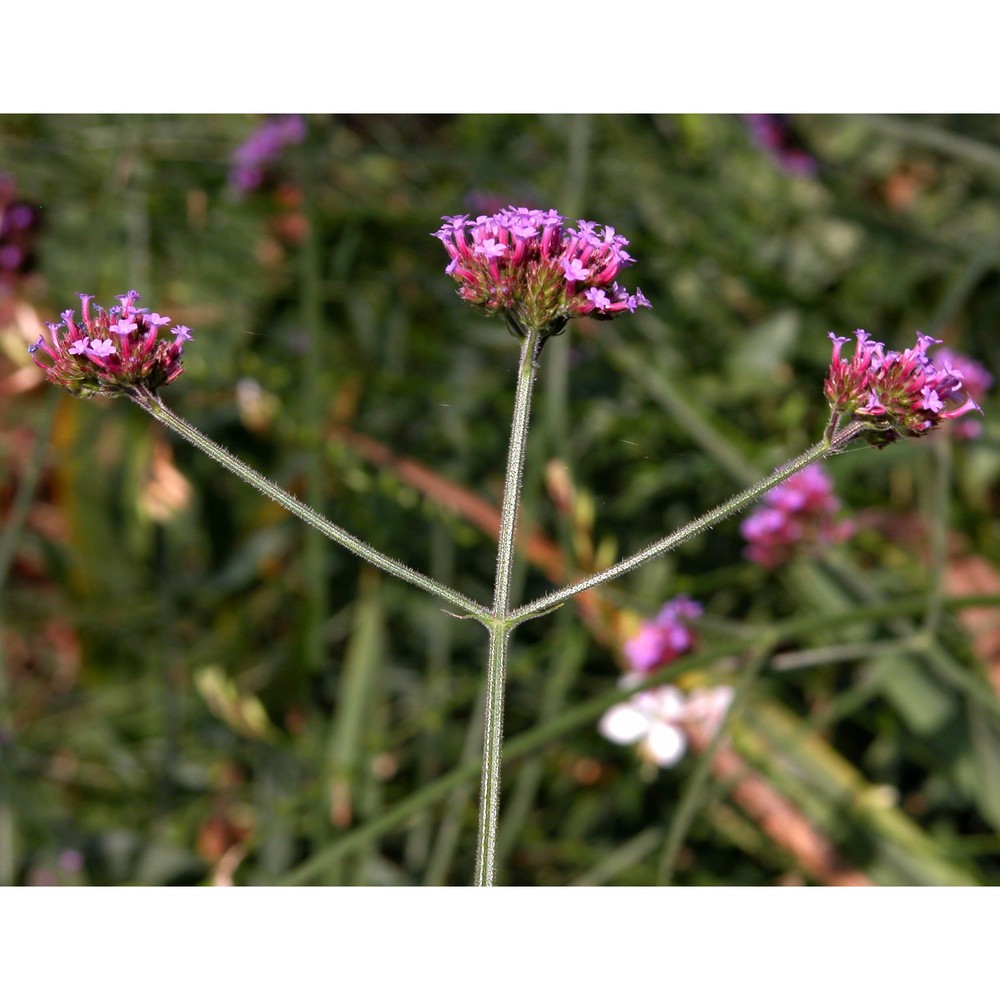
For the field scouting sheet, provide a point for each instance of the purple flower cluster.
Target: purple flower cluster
(894, 393)
(658, 720)
(976, 381)
(262, 149)
(525, 265)
(774, 134)
(662, 639)
(111, 351)
(796, 517)
(18, 223)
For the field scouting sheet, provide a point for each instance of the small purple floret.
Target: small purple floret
(102, 348)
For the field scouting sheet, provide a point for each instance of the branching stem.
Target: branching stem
(155, 407)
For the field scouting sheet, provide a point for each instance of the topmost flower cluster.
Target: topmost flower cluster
(111, 351)
(527, 266)
(894, 393)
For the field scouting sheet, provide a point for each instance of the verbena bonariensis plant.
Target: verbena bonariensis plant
(536, 272)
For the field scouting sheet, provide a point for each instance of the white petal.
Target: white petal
(669, 704)
(665, 744)
(709, 707)
(623, 724)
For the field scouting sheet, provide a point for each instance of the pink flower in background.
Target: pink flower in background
(18, 227)
(976, 381)
(262, 149)
(656, 719)
(662, 639)
(895, 393)
(799, 516)
(776, 135)
(527, 266)
(111, 351)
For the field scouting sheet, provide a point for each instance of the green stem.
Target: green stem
(155, 407)
(501, 625)
(314, 552)
(818, 451)
(692, 798)
(940, 503)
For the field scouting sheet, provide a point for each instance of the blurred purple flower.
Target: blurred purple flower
(71, 860)
(796, 517)
(18, 228)
(262, 149)
(662, 639)
(776, 135)
(976, 381)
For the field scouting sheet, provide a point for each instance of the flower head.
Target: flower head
(894, 393)
(528, 266)
(111, 351)
(662, 639)
(658, 719)
(797, 516)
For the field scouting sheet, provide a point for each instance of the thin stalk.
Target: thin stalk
(500, 625)
(564, 671)
(940, 504)
(156, 408)
(625, 859)
(817, 452)
(314, 552)
(692, 798)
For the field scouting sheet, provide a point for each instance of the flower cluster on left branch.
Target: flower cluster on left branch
(111, 352)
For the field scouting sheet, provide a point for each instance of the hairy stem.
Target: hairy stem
(155, 407)
(732, 506)
(501, 626)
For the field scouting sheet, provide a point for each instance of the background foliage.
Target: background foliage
(197, 690)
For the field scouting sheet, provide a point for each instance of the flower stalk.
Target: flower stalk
(156, 408)
(501, 625)
(821, 450)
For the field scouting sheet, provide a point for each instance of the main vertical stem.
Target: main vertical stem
(500, 627)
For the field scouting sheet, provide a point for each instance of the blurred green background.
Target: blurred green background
(197, 690)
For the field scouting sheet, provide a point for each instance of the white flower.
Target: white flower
(655, 719)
